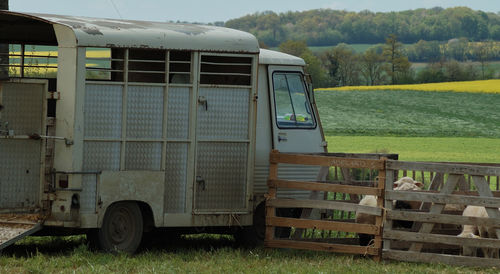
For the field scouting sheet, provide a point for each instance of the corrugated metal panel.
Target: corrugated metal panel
(225, 115)
(178, 112)
(298, 173)
(98, 32)
(143, 155)
(103, 111)
(144, 112)
(176, 178)
(261, 174)
(223, 167)
(286, 172)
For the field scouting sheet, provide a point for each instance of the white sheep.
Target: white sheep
(471, 231)
(405, 183)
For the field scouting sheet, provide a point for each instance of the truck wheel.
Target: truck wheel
(251, 236)
(122, 228)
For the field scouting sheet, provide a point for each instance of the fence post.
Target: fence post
(380, 204)
(271, 211)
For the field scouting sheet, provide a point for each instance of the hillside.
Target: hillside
(323, 27)
(409, 113)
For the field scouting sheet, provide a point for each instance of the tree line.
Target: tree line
(323, 27)
(386, 63)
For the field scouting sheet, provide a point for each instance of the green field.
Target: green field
(434, 149)
(358, 48)
(409, 113)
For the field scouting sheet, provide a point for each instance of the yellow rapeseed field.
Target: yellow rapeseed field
(483, 86)
(53, 53)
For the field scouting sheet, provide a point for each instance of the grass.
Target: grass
(205, 254)
(477, 150)
(483, 86)
(409, 113)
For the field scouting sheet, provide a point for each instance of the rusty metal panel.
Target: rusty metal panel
(144, 112)
(178, 112)
(99, 32)
(176, 177)
(223, 168)
(103, 111)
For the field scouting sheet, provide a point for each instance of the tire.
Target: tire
(251, 236)
(122, 228)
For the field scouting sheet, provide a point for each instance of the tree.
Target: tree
(342, 64)
(398, 64)
(313, 64)
(295, 48)
(372, 67)
(483, 52)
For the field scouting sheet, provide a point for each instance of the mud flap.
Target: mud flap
(15, 228)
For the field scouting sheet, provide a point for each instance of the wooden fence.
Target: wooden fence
(454, 184)
(274, 221)
(450, 187)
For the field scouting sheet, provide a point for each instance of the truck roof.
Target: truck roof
(98, 32)
(271, 57)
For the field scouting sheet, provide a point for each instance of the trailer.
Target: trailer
(115, 128)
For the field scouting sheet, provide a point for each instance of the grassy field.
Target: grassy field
(409, 113)
(476, 150)
(358, 48)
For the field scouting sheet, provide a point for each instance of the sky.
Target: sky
(222, 10)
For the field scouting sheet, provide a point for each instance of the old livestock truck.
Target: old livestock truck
(115, 128)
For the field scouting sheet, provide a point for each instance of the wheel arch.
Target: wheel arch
(148, 216)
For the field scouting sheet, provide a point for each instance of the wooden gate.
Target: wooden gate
(301, 226)
(450, 186)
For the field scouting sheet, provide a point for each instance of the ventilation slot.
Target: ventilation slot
(146, 66)
(180, 67)
(226, 70)
(104, 64)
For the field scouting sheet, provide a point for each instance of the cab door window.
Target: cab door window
(292, 106)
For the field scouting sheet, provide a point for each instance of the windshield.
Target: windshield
(293, 109)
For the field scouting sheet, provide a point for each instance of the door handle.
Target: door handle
(200, 181)
(282, 137)
(202, 100)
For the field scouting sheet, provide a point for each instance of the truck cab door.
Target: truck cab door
(294, 120)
